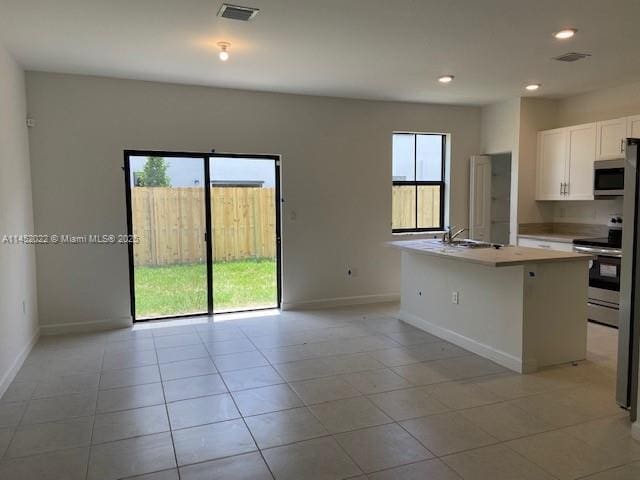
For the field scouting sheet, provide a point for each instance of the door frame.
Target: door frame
(206, 157)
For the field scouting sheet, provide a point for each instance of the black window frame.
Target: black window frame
(416, 183)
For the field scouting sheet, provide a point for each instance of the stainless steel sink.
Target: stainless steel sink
(467, 243)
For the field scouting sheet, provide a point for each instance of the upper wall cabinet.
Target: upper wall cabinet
(565, 163)
(582, 149)
(610, 138)
(633, 126)
(552, 164)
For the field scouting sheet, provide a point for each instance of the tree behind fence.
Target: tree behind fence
(170, 223)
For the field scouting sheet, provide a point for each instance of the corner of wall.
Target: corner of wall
(19, 329)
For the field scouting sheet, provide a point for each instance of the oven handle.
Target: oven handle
(598, 251)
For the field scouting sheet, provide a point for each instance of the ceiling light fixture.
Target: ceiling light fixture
(532, 87)
(446, 79)
(224, 51)
(566, 33)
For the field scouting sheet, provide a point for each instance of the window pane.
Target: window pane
(403, 157)
(429, 206)
(404, 206)
(429, 157)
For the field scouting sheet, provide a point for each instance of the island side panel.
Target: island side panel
(555, 313)
(488, 318)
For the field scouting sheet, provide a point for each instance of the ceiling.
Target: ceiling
(380, 49)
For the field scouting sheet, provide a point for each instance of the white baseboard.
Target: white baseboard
(635, 430)
(341, 301)
(10, 374)
(85, 327)
(498, 356)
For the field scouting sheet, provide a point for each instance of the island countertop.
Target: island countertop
(504, 257)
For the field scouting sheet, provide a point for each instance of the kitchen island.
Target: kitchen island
(523, 308)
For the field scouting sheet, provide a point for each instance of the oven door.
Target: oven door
(604, 285)
(604, 273)
(608, 178)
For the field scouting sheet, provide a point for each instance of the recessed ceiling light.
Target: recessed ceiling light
(446, 79)
(566, 33)
(224, 51)
(532, 87)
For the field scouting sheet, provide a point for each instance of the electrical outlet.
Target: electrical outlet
(455, 298)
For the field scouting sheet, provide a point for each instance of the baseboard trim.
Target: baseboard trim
(85, 327)
(341, 302)
(8, 377)
(498, 356)
(635, 430)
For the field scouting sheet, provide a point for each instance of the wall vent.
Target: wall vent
(571, 57)
(236, 12)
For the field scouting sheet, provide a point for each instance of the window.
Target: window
(418, 182)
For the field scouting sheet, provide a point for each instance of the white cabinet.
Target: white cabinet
(565, 163)
(582, 149)
(633, 126)
(551, 171)
(610, 138)
(546, 244)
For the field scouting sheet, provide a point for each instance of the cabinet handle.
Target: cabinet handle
(561, 187)
(566, 188)
(622, 145)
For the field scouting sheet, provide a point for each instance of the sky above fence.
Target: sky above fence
(189, 172)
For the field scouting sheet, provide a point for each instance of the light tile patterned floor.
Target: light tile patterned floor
(333, 394)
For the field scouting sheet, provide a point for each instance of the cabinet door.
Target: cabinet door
(633, 126)
(610, 138)
(546, 244)
(552, 165)
(582, 153)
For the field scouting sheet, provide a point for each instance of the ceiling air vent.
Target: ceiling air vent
(571, 57)
(235, 12)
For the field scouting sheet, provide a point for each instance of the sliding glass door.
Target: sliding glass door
(245, 240)
(206, 229)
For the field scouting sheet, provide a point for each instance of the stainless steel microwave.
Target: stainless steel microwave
(608, 178)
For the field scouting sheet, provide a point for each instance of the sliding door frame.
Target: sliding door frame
(206, 157)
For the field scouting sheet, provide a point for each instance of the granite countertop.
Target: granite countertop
(504, 257)
(553, 237)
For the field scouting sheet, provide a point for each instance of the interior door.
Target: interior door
(480, 198)
(245, 232)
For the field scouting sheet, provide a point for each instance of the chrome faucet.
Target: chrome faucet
(449, 236)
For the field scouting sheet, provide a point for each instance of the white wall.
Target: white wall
(18, 329)
(535, 115)
(336, 173)
(500, 132)
(603, 104)
(500, 124)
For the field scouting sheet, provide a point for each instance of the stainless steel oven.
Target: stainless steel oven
(608, 178)
(604, 283)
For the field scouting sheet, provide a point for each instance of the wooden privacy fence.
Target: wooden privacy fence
(170, 223)
(404, 206)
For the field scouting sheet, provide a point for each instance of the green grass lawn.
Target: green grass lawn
(182, 289)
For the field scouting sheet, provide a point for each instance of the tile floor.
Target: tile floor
(334, 394)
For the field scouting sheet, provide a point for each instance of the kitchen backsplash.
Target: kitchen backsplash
(591, 212)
